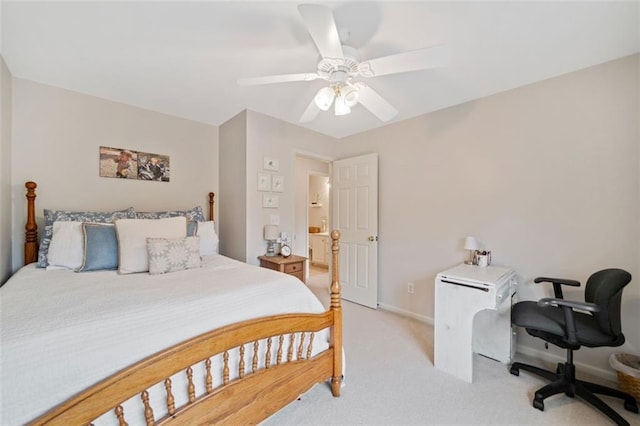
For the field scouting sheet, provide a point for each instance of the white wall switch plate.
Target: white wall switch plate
(275, 219)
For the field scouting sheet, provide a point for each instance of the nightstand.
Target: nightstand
(292, 265)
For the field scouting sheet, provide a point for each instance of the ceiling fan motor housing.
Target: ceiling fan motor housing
(339, 70)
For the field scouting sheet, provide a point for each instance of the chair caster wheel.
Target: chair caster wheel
(630, 406)
(538, 404)
(514, 371)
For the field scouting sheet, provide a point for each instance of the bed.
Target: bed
(224, 343)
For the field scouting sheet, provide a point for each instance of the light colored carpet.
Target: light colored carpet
(390, 379)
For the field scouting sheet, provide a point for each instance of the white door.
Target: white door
(355, 214)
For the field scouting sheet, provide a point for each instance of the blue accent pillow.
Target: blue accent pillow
(192, 227)
(51, 216)
(100, 247)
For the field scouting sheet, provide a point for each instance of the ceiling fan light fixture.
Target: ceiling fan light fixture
(350, 94)
(324, 98)
(341, 108)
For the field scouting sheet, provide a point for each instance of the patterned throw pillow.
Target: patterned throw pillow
(51, 216)
(191, 214)
(171, 255)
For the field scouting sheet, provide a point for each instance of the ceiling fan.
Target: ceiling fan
(340, 65)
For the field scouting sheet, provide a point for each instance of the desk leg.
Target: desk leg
(455, 308)
(453, 352)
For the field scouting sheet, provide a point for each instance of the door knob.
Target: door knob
(372, 238)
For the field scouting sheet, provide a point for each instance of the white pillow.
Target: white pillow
(132, 239)
(67, 245)
(208, 238)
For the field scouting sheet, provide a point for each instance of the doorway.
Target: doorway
(313, 220)
(353, 195)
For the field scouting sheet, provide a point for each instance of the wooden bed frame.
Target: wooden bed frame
(257, 393)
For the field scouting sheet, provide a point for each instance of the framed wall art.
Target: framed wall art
(153, 167)
(271, 164)
(264, 181)
(129, 164)
(118, 163)
(277, 183)
(270, 201)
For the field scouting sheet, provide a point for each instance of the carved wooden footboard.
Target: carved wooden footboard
(276, 362)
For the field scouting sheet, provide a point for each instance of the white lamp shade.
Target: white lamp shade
(271, 232)
(324, 98)
(350, 95)
(470, 243)
(340, 107)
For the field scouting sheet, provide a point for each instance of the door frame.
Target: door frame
(324, 159)
(308, 204)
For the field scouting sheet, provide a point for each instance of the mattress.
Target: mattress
(62, 331)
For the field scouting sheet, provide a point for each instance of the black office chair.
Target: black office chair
(556, 321)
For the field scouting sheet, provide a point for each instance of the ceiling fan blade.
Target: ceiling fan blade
(322, 27)
(414, 60)
(311, 112)
(371, 100)
(282, 78)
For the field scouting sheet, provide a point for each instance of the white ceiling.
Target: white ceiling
(184, 59)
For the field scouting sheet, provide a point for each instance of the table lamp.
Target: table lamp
(471, 244)
(271, 235)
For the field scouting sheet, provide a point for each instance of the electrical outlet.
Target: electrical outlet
(410, 288)
(275, 219)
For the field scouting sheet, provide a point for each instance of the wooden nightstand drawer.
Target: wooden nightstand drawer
(293, 267)
(270, 265)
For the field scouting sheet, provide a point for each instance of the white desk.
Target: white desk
(462, 323)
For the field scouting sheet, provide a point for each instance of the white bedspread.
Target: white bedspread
(62, 331)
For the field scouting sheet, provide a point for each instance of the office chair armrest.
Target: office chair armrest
(589, 307)
(567, 307)
(562, 281)
(557, 282)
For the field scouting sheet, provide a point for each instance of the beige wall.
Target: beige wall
(56, 138)
(5, 170)
(546, 176)
(232, 202)
(245, 141)
(269, 137)
(263, 137)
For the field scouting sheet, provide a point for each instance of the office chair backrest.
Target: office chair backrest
(604, 288)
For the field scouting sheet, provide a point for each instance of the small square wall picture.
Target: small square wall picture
(270, 201)
(270, 163)
(277, 183)
(118, 163)
(264, 181)
(153, 167)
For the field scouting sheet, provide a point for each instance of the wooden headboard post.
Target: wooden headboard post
(336, 308)
(31, 228)
(211, 215)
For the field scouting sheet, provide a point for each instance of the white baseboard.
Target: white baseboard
(525, 350)
(405, 313)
